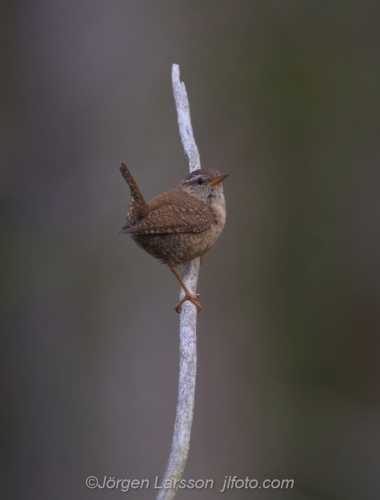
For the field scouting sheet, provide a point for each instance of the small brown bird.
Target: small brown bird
(179, 225)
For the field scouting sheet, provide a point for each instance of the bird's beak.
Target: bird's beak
(217, 180)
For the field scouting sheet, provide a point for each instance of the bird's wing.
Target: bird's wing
(174, 219)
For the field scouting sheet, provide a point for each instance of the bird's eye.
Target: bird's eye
(200, 180)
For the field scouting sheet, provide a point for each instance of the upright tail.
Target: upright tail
(137, 205)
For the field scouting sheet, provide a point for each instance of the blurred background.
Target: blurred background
(285, 97)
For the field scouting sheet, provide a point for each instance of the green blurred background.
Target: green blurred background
(285, 97)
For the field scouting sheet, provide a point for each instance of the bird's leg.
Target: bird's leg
(193, 297)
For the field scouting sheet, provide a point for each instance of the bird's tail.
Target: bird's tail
(137, 205)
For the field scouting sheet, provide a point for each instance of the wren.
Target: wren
(179, 225)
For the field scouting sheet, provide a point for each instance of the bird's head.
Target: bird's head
(204, 185)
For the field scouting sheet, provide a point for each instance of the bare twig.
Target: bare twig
(188, 321)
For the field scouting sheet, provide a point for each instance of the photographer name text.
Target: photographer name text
(230, 483)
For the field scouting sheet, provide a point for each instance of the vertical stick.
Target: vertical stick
(188, 321)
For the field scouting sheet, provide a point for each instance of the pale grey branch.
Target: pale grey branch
(184, 120)
(188, 321)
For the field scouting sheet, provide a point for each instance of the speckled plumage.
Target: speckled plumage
(181, 224)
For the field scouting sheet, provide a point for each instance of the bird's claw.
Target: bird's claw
(193, 297)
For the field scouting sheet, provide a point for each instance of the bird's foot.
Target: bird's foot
(193, 297)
